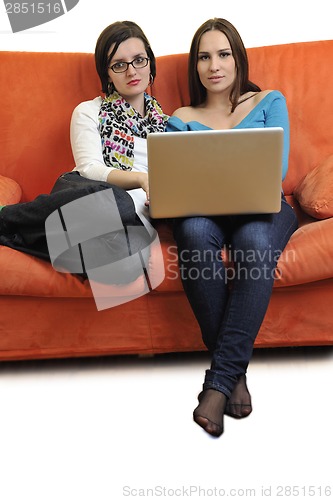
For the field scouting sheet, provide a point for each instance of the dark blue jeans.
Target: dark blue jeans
(230, 311)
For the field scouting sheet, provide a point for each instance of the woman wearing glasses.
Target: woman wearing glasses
(108, 135)
(108, 138)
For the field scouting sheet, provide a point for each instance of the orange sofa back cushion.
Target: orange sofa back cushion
(38, 92)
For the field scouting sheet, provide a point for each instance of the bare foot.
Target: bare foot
(239, 404)
(209, 413)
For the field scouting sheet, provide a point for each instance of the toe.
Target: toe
(238, 410)
(211, 427)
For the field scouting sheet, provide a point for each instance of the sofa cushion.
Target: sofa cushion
(10, 191)
(26, 275)
(315, 191)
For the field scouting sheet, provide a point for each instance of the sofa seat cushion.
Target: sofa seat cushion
(315, 191)
(10, 191)
(25, 275)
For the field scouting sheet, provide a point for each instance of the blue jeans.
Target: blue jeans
(230, 311)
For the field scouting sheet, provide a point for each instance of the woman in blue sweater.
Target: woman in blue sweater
(222, 97)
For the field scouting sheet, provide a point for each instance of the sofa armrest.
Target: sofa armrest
(308, 256)
(10, 191)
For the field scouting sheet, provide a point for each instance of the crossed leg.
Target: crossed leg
(213, 405)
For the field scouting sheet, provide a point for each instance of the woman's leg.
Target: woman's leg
(202, 271)
(204, 279)
(257, 243)
(205, 283)
(22, 226)
(199, 241)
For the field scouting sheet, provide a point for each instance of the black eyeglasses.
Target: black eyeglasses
(137, 63)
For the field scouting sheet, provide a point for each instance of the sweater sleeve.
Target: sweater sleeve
(277, 116)
(86, 141)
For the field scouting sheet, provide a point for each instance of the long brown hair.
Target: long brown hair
(242, 83)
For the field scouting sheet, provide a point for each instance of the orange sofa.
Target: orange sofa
(45, 313)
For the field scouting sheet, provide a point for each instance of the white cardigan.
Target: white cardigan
(87, 150)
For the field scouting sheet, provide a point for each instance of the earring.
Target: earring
(151, 79)
(111, 88)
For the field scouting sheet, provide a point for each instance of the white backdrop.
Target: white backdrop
(61, 438)
(170, 25)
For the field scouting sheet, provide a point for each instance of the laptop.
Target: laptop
(215, 172)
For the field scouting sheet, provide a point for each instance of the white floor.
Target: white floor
(113, 428)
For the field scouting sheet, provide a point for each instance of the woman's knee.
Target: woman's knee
(197, 233)
(252, 240)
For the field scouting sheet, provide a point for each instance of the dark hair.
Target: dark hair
(242, 83)
(117, 33)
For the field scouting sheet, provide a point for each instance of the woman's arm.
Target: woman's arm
(86, 141)
(128, 179)
(277, 116)
(87, 150)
